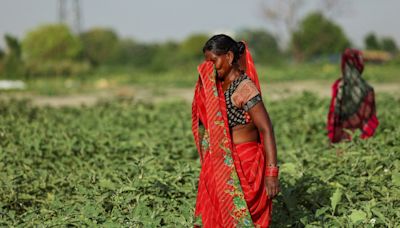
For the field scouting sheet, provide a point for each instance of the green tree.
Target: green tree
(264, 47)
(52, 50)
(167, 56)
(51, 43)
(388, 44)
(136, 54)
(2, 54)
(191, 49)
(100, 46)
(371, 42)
(12, 64)
(127, 48)
(317, 36)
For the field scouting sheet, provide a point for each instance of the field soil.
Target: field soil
(271, 91)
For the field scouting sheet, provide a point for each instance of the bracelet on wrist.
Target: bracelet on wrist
(272, 171)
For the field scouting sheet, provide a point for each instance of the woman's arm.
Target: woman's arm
(261, 120)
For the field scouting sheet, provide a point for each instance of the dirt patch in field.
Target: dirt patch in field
(273, 91)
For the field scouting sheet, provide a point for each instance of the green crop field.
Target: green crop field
(131, 164)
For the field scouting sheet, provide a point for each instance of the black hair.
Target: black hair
(222, 44)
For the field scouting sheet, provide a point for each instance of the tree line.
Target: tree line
(54, 50)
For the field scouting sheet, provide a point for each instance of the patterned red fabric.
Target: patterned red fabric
(354, 57)
(247, 158)
(250, 68)
(364, 118)
(231, 189)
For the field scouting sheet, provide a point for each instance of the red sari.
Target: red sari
(231, 189)
(353, 101)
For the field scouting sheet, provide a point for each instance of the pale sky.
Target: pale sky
(161, 20)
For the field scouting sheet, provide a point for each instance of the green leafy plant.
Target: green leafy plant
(122, 163)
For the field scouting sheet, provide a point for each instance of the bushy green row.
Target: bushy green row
(353, 184)
(115, 163)
(129, 164)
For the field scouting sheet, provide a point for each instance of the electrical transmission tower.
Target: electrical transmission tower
(69, 13)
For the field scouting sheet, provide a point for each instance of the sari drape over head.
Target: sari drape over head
(231, 193)
(353, 101)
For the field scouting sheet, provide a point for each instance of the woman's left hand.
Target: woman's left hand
(272, 184)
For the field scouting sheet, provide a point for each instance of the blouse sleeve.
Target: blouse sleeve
(246, 95)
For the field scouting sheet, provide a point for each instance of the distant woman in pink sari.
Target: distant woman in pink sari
(353, 101)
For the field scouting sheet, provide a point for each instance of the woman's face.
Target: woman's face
(221, 62)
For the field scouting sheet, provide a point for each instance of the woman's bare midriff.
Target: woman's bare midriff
(244, 133)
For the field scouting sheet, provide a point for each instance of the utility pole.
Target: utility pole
(70, 14)
(61, 11)
(77, 24)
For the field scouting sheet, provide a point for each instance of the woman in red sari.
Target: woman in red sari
(353, 101)
(235, 140)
